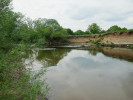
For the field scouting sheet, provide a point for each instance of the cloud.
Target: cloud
(78, 14)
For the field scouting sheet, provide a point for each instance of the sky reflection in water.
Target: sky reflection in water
(86, 75)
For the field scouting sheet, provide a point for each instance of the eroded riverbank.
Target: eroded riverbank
(116, 38)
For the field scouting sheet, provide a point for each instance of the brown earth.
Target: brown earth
(116, 38)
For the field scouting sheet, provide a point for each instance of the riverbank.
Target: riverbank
(117, 38)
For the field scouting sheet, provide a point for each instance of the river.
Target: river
(85, 74)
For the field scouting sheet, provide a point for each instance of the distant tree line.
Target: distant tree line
(95, 29)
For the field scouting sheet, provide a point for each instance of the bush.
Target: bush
(18, 83)
(112, 44)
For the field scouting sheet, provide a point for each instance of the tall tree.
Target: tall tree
(94, 28)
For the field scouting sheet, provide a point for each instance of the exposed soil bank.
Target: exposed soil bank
(116, 38)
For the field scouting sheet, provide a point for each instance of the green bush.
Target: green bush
(112, 44)
(97, 41)
(17, 82)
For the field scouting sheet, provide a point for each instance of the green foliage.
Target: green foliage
(94, 29)
(70, 32)
(132, 46)
(59, 35)
(95, 41)
(16, 82)
(102, 44)
(87, 41)
(79, 32)
(112, 44)
(116, 28)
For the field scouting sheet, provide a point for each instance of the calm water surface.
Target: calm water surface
(75, 74)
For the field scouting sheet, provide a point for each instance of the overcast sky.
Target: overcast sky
(78, 14)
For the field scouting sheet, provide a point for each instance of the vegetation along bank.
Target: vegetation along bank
(17, 31)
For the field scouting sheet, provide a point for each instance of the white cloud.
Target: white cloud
(78, 14)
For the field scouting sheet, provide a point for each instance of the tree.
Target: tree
(59, 35)
(79, 32)
(40, 22)
(69, 31)
(8, 22)
(94, 29)
(114, 28)
(124, 29)
(51, 23)
(5, 5)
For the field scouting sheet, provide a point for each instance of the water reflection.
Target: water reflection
(38, 58)
(121, 53)
(82, 76)
(86, 74)
(93, 52)
(51, 57)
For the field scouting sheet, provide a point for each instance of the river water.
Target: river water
(85, 74)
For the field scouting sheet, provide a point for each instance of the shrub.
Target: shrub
(18, 83)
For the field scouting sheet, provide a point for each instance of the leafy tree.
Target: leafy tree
(114, 28)
(79, 32)
(94, 29)
(103, 31)
(69, 31)
(124, 29)
(39, 22)
(86, 33)
(59, 35)
(51, 23)
(7, 23)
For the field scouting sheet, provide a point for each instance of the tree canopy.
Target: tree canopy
(116, 28)
(94, 28)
